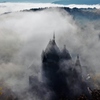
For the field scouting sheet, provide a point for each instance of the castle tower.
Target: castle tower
(78, 66)
(51, 67)
(65, 54)
(50, 59)
(78, 61)
(60, 75)
(51, 53)
(54, 36)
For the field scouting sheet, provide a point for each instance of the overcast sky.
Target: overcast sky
(41, 1)
(61, 1)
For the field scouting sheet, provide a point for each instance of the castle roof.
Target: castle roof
(65, 54)
(53, 53)
(52, 47)
(78, 61)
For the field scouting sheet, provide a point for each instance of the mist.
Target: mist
(15, 7)
(24, 35)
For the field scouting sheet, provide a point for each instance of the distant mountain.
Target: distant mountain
(84, 13)
(77, 13)
(88, 2)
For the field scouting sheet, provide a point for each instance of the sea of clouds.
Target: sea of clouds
(23, 36)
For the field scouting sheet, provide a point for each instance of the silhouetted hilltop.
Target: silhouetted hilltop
(77, 13)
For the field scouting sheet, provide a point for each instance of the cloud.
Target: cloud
(7, 7)
(23, 36)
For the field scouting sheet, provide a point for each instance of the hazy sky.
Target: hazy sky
(27, 1)
(23, 36)
(59, 1)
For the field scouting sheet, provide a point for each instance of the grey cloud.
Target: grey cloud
(23, 36)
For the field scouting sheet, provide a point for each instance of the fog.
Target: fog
(14, 7)
(24, 35)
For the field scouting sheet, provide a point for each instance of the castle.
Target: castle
(60, 71)
(61, 75)
(53, 59)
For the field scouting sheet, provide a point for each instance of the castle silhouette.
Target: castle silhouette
(60, 74)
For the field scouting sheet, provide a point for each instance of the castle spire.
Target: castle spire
(64, 46)
(78, 61)
(53, 41)
(54, 36)
(65, 55)
(78, 66)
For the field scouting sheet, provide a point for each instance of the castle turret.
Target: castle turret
(52, 51)
(78, 61)
(78, 66)
(50, 64)
(55, 80)
(65, 54)
(54, 38)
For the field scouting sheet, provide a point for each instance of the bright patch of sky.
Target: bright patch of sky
(33, 1)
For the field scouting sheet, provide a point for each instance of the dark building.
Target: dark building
(58, 77)
(61, 75)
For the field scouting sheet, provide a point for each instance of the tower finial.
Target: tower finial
(78, 57)
(64, 46)
(54, 36)
(78, 61)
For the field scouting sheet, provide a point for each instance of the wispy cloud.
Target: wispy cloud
(23, 36)
(12, 7)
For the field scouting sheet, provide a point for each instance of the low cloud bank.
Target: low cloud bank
(23, 36)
